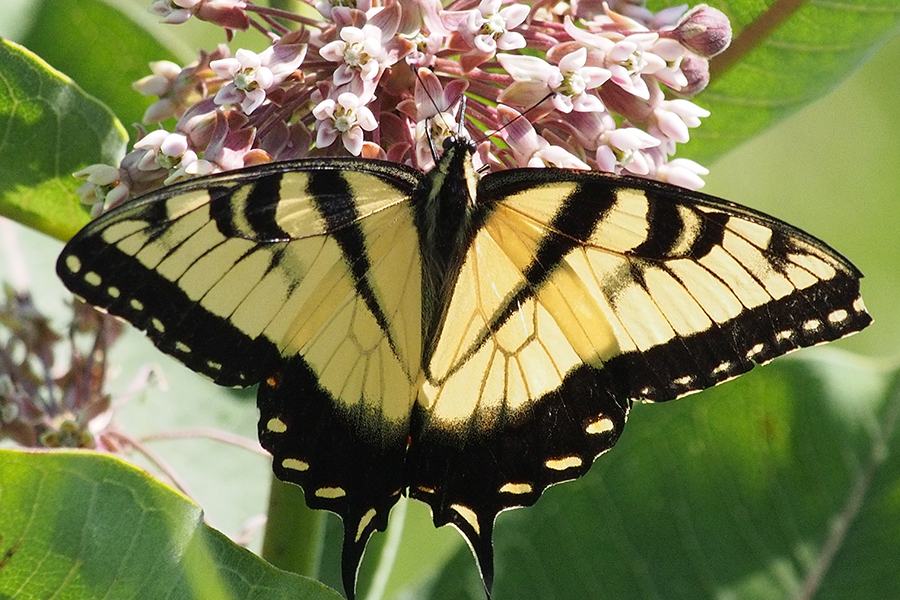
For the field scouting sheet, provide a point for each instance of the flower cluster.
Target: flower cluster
(572, 83)
(40, 404)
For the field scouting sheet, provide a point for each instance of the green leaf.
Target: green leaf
(51, 128)
(78, 525)
(116, 41)
(782, 484)
(785, 54)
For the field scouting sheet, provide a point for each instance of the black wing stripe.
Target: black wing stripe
(335, 201)
(576, 217)
(665, 229)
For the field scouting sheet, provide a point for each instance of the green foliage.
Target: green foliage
(51, 128)
(79, 525)
(70, 36)
(784, 56)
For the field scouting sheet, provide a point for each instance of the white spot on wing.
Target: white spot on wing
(113, 292)
(859, 306)
(92, 278)
(755, 350)
(601, 425)
(838, 316)
(73, 263)
(295, 464)
(687, 379)
(516, 488)
(136, 305)
(330, 492)
(182, 347)
(469, 515)
(276, 425)
(784, 335)
(812, 325)
(561, 464)
(722, 368)
(364, 522)
(158, 325)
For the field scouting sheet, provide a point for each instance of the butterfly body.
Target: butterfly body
(468, 340)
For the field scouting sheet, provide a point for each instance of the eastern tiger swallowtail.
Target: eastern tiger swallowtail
(468, 340)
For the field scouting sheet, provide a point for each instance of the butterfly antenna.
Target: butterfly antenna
(461, 120)
(437, 111)
(522, 115)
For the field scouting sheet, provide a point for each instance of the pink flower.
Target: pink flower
(163, 149)
(102, 188)
(347, 118)
(225, 13)
(683, 172)
(568, 84)
(704, 30)
(485, 30)
(325, 7)
(531, 149)
(593, 92)
(622, 150)
(173, 11)
(252, 75)
(675, 117)
(358, 51)
(431, 113)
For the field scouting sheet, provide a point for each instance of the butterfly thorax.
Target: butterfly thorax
(446, 217)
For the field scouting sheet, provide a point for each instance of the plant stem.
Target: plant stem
(294, 533)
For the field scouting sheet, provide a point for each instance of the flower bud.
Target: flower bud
(704, 29)
(696, 71)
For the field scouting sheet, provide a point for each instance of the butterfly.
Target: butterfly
(466, 340)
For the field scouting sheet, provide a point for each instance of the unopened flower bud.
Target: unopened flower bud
(696, 71)
(704, 29)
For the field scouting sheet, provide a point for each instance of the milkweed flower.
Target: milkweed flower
(344, 117)
(582, 84)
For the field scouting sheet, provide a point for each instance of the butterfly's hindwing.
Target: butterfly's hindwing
(469, 473)
(349, 460)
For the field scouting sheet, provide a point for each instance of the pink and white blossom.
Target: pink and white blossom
(622, 150)
(252, 75)
(344, 117)
(485, 29)
(568, 84)
(606, 69)
(531, 149)
(675, 117)
(357, 51)
(173, 11)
